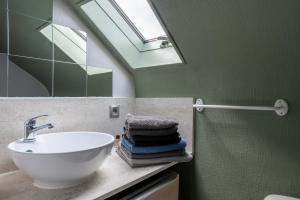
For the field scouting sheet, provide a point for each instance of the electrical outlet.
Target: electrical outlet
(114, 111)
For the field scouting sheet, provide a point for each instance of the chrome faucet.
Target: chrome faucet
(30, 129)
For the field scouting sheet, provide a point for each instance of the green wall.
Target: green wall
(237, 52)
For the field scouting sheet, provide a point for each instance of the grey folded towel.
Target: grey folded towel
(150, 132)
(148, 122)
(153, 161)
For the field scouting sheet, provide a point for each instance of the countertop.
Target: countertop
(112, 177)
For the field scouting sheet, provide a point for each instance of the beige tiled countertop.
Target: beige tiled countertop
(111, 178)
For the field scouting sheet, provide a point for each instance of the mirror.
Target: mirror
(33, 8)
(69, 44)
(99, 81)
(3, 4)
(44, 58)
(3, 75)
(26, 39)
(3, 31)
(3, 49)
(29, 77)
(69, 79)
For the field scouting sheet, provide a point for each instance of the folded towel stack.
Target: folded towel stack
(150, 140)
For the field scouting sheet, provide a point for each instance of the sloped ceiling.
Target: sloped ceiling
(244, 53)
(223, 34)
(75, 5)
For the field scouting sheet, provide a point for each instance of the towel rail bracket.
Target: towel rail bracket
(280, 107)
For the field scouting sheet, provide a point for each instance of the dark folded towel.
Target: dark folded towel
(151, 155)
(148, 122)
(153, 140)
(153, 149)
(150, 132)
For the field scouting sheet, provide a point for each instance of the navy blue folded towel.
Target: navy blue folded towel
(153, 149)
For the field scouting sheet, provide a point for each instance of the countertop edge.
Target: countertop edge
(128, 185)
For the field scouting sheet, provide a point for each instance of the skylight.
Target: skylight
(134, 30)
(141, 17)
(71, 42)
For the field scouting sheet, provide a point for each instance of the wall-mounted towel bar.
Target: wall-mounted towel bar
(280, 107)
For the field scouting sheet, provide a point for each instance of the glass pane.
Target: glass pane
(69, 44)
(3, 32)
(3, 49)
(99, 82)
(3, 75)
(41, 9)
(143, 18)
(3, 4)
(26, 39)
(69, 80)
(29, 77)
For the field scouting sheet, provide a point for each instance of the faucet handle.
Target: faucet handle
(32, 121)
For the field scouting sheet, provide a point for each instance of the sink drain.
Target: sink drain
(29, 151)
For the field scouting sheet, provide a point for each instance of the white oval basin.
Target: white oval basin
(63, 159)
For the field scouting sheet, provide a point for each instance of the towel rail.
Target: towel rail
(280, 107)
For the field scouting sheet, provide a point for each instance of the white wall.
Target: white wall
(85, 114)
(21, 84)
(66, 114)
(180, 109)
(98, 55)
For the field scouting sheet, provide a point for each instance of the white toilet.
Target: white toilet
(279, 197)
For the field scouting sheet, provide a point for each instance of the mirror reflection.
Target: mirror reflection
(99, 81)
(33, 8)
(25, 38)
(3, 75)
(69, 44)
(44, 58)
(3, 4)
(29, 77)
(3, 49)
(69, 79)
(3, 31)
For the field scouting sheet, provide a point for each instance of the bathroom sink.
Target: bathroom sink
(62, 159)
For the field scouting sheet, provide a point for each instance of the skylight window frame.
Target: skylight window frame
(84, 38)
(115, 31)
(51, 30)
(80, 34)
(131, 24)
